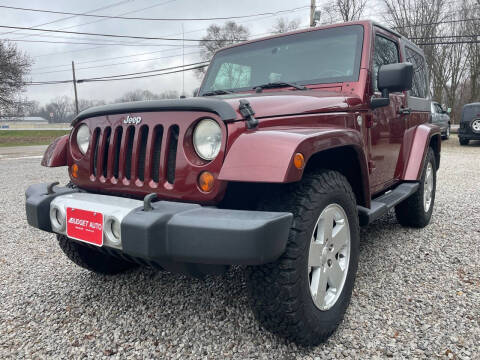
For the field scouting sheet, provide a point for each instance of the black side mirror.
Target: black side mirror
(392, 78)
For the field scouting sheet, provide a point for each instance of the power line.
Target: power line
(119, 78)
(149, 19)
(143, 72)
(91, 43)
(71, 17)
(114, 64)
(186, 32)
(450, 42)
(98, 34)
(106, 59)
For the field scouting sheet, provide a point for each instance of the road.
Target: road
(417, 292)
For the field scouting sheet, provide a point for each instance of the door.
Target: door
(388, 125)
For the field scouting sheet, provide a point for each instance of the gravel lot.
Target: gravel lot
(417, 292)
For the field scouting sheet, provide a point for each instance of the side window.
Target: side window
(232, 76)
(385, 52)
(419, 85)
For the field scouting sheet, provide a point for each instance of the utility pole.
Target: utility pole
(312, 13)
(75, 87)
(183, 61)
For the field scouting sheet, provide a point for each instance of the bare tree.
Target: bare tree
(59, 110)
(345, 10)
(283, 25)
(137, 95)
(220, 36)
(85, 104)
(14, 66)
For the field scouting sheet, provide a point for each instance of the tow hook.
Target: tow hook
(147, 202)
(247, 112)
(50, 187)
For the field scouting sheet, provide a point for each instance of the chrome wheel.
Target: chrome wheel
(428, 188)
(329, 256)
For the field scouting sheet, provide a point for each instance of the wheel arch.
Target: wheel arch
(266, 156)
(347, 160)
(415, 146)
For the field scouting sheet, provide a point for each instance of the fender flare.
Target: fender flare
(415, 145)
(56, 153)
(267, 155)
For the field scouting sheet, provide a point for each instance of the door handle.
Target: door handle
(404, 111)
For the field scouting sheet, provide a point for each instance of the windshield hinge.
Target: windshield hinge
(247, 112)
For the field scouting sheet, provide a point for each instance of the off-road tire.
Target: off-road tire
(410, 212)
(92, 259)
(279, 291)
(463, 141)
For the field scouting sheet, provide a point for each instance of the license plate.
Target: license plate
(85, 226)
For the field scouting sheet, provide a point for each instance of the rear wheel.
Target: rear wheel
(92, 259)
(416, 211)
(464, 141)
(447, 133)
(303, 295)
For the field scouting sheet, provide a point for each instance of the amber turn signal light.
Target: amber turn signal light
(205, 181)
(74, 170)
(299, 161)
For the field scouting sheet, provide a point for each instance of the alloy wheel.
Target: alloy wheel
(329, 256)
(428, 188)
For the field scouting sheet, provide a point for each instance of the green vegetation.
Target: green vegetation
(29, 137)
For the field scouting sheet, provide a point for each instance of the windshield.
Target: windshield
(321, 56)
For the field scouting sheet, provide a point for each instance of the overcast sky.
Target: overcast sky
(57, 57)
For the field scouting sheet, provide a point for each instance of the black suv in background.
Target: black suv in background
(470, 123)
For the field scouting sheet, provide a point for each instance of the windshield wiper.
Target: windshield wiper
(278, 84)
(217, 92)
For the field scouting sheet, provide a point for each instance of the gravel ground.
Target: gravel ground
(417, 292)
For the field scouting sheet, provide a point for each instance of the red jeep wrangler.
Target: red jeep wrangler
(292, 142)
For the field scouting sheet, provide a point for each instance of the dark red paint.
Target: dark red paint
(389, 147)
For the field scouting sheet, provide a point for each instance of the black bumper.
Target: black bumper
(187, 233)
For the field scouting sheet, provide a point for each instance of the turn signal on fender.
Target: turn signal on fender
(299, 161)
(205, 181)
(74, 170)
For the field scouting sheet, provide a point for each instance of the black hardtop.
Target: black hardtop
(471, 111)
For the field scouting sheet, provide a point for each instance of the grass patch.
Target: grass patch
(29, 137)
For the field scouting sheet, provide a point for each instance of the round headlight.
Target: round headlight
(207, 139)
(83, 138)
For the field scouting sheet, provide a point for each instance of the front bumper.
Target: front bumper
(170, 231)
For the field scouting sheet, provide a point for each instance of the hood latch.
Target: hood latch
(247, 112)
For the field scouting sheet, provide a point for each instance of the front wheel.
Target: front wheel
(303, 295)
(463, 141)
(416, 211)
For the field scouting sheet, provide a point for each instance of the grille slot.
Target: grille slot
(96, 136)
(143, 152)
(116, 153)
(128, 156)
(172, 153)
(157, 148)
(108, 132)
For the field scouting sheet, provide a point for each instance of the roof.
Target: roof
(360, 22)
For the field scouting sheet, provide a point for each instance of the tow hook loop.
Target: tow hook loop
(247, 112)
(50, 187)
(147, 202)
